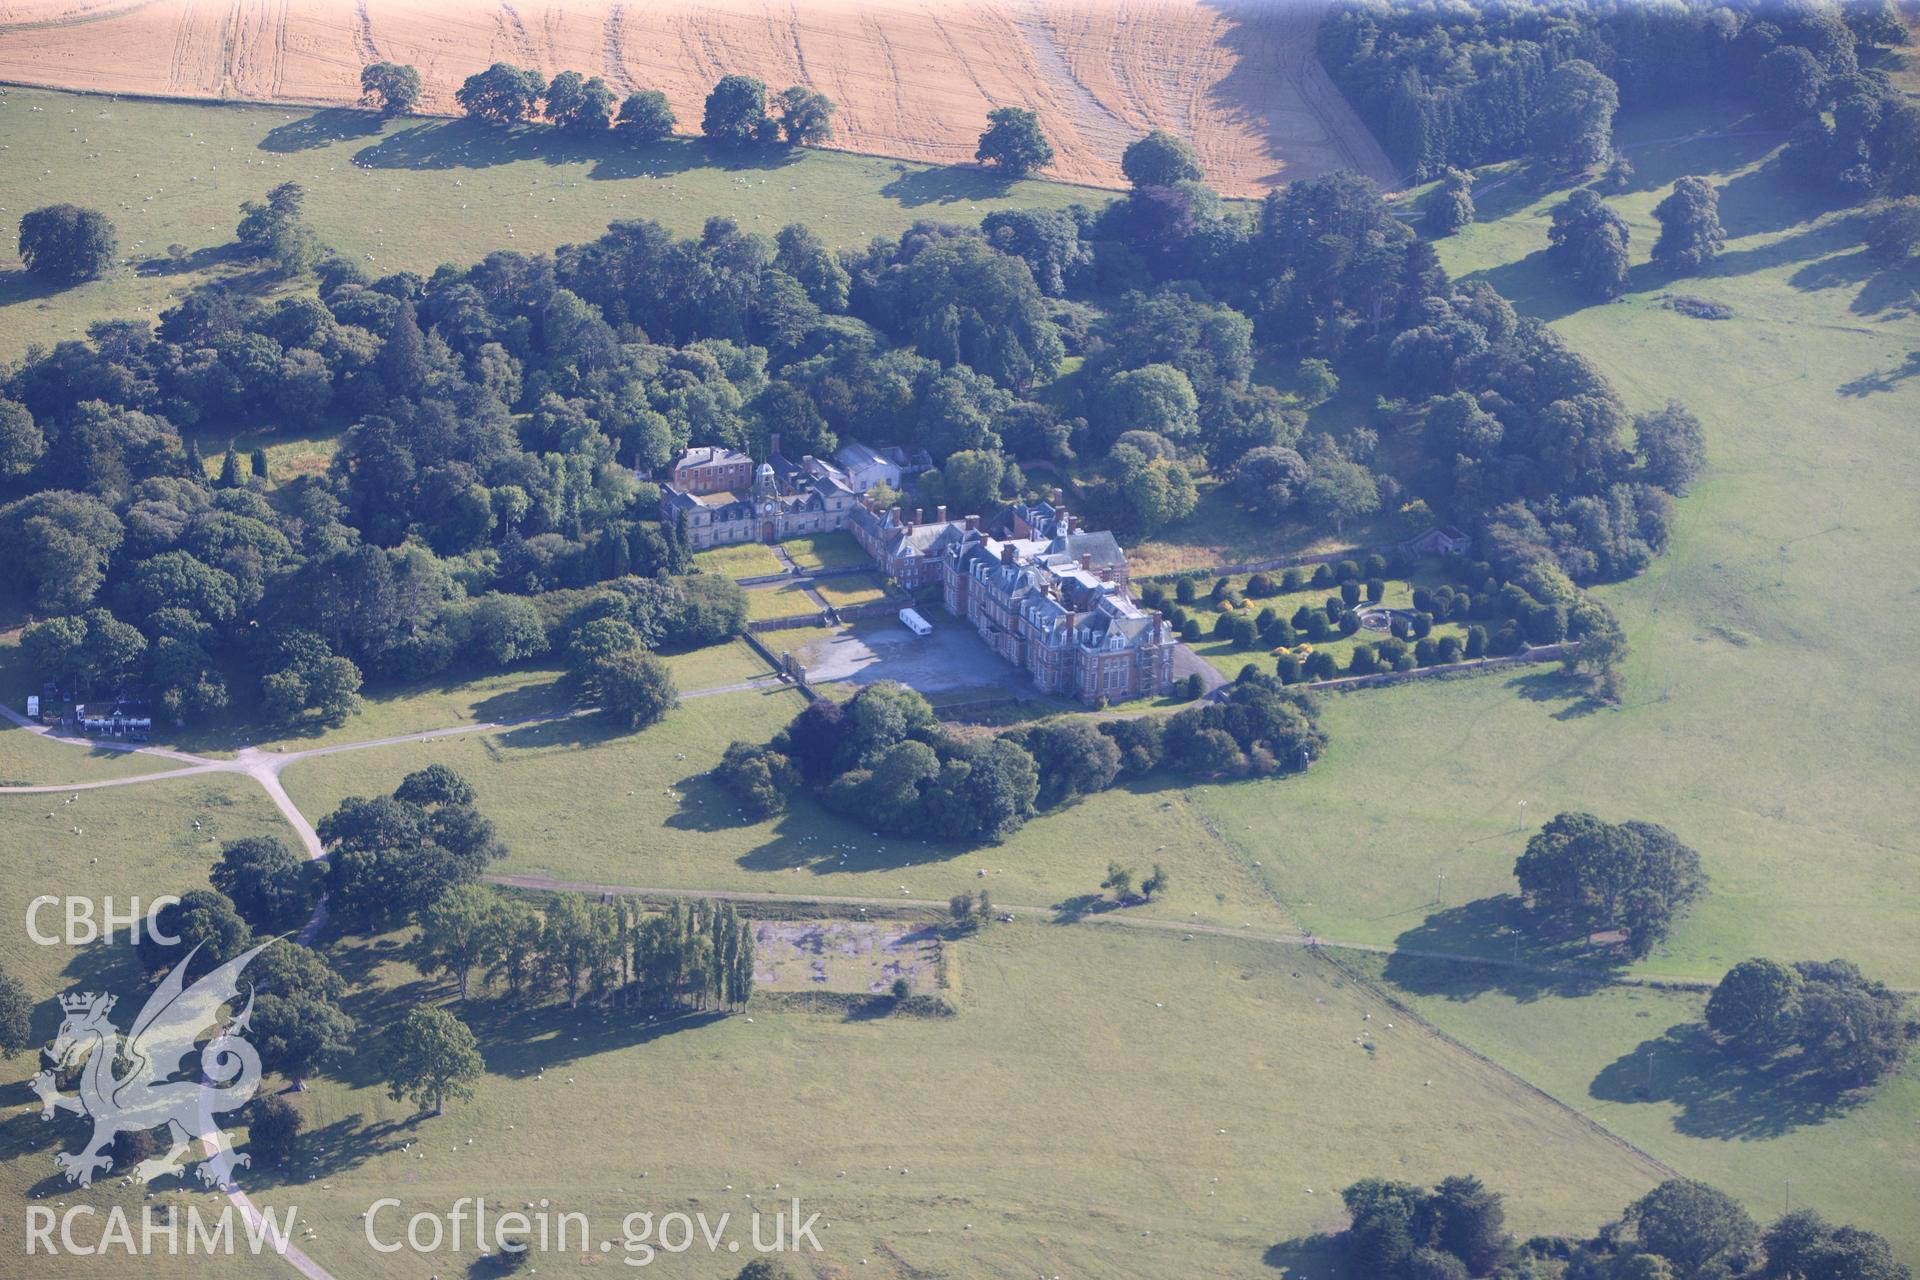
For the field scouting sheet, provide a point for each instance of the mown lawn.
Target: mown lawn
(291, 451)
(408, 195)
(826, 551)
(1229, 659)
(783, 600)
(853, 589)
(393, 708)
(1222, 532)
(715, 666)
(517, 695)
(27, 759)
(741, 560)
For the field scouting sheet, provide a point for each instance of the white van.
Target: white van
(912, 621)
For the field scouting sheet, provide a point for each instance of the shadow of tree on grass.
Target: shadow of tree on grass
(469, 144)
(1551, 684)
(202, 259)
(951, 184)
(1318, 1255)
(1723, 149)
(1886, 290)
(1535, 288)
(824, 847)
(1718, 1096)
(23, 286)
(1438, 956)
(321, 129)
(1883, 380)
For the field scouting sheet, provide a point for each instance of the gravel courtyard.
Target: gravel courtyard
(951, 658)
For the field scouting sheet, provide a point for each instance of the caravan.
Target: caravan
(912, 621)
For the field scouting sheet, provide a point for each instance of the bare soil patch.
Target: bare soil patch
(845, 956)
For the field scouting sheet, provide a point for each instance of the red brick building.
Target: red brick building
(712, 469)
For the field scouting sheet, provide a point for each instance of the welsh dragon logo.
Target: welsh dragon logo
(127, 1083)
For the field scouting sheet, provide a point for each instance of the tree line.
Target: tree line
(736, 115)
(885, 759)
(695, 955)
(1680, 1230)
(738, 112)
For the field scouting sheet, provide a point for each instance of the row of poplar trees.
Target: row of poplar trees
(692, 954)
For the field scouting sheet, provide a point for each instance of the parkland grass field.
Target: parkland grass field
(1070, 1118)
(1753, 644)
(1760, 722)
(409, 195)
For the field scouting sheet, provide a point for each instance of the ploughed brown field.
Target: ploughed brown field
(911, 78)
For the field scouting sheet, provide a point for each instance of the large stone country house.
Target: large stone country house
(778, 499)
(725, 498)
(1044, 593)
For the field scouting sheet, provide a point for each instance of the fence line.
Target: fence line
(1532, 654)
(816, 619)
(794, 672)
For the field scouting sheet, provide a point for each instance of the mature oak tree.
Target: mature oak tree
(736, 113)
(390, 87)
(1161, 159)
(502, 94)
(645, 116)
(431, 1057)
(1588, 242)
(1690, 231)
(1634, 876)
(65, 244)
(1013, 142)
(1572, 124)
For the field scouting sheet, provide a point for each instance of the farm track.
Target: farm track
(363, 32)
(613, 54)
(74, 20)
(911, 80)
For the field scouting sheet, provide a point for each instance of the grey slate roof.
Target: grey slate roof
(709, 454)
